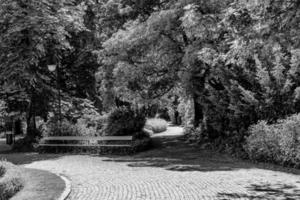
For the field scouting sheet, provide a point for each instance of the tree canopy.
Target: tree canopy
(225, 64)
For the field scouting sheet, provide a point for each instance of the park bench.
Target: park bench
(86, 141)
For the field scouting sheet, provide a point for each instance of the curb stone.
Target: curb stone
(67, 189)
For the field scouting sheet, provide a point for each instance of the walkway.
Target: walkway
(173, 171)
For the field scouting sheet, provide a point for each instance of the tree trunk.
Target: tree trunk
(31, 125)
(108, 97)
(189, 114)
(198, 112)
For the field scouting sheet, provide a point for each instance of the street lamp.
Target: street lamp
(52, 68)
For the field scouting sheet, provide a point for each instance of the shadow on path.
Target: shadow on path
(27, 158)
(172, 153)
(266, 192)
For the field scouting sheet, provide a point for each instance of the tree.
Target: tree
(30, 32)
(112, 16)
(153, 54)
(237, 61)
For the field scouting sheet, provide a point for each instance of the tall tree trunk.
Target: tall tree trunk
(198, 112)
(108, 97)
(31, 124)
(189, 114)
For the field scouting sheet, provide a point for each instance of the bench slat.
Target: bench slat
(85, 145)
(83, 138)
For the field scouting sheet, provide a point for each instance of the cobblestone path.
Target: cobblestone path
(172, 171)
(96, 178)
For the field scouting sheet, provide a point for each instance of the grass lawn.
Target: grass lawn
(2, 135)
(41, 185)
(10, 180)
(35, 184)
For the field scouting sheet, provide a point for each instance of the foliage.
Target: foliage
(79, 117)
(68, 128)
(125, 121)
(223, 65)
(32, 35)
(2, 170)
(11, 182)
(235, 62)
(3, 113)
(25, 144)
(30, 31)
(157, 125)
(65, 128)
(73, 108)
(141, 144)
(278, 142)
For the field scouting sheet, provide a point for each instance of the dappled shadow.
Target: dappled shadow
(265, 191)
(28, 157)
(174, 154)
(4, 148)
(23, 157)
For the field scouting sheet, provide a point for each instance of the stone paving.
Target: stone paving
(172, 171)
(100, 178)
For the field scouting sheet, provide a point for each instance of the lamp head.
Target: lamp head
(52, 68)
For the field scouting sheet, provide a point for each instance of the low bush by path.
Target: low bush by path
(172, 170)
(40, 185)
(278, 143)
(157, 125)
(19, 183)
(10, 180)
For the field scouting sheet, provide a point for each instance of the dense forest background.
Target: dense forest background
(219, 66)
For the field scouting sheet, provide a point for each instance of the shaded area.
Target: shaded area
(41, 185)
(172, 153)
(27, 158)
(4, 148)
(22, 158)
(265, 191)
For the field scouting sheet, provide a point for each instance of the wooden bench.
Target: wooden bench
(86, 141)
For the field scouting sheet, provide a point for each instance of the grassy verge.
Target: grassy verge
(157, 125)
(11, 180)
(41, 185)
(18, 183)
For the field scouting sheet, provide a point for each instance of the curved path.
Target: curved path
(173, 171)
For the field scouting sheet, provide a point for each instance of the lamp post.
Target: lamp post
(52, 68)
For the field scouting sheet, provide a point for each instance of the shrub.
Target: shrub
(23, 145)
(66, 128)
(157, 125)
(10, 182)
(141, 144)
(87, 124)
(124, 121)
(2, 170)
(277, 142)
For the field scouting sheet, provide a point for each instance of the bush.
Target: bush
(125, 121)
(23, 145)
(141, 144)
(157, 125)
(278, 143)
(10, 182)
(82, 127)
(2, 170)
(53, 128)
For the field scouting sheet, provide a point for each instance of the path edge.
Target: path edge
(64, 195)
